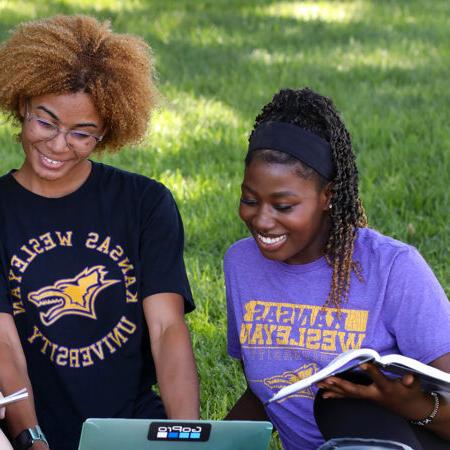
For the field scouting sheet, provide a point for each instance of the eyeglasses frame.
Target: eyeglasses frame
(29, 116)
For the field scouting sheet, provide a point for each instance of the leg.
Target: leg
(361, 419)
(338, 418)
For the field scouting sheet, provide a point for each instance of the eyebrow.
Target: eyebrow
(274, 194)
(55, 117)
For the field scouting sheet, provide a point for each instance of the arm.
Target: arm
(173, 356)
(402, 396)
(14, 376)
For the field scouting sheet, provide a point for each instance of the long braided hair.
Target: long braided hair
(316, 113)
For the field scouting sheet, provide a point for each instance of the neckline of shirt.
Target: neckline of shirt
(318, 264)
(92, 175)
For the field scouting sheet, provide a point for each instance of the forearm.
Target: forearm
(177, 373)
(14, 376)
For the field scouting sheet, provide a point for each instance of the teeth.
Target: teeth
(269, 240)
(51, 161)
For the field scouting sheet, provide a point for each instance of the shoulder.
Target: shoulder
(371, 243)
(396, 259)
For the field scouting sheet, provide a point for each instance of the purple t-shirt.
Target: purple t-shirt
(277, 326)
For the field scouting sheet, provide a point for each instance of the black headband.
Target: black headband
(297, 142)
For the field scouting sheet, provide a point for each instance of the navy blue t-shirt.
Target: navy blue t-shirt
(73, 272)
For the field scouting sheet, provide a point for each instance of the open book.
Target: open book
(14, 397)
(432, 379)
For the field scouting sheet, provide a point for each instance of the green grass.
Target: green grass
(385, 63)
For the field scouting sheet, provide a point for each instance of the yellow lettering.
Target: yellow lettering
(15, 292)
(110, 347)
(52, 354)
(65, 240)
(116, 253)
(131, 298)
(98, 350)
(246, 329)
(287, 314)
(18, 308)
(249, 311)
(269, 329)
(46, 344)
(104, 246)
(329, 340)
(49, 243)
(36, 246)
(260, 311)
(126, 265)
(356, 320)
(304, 317)
(126, 325)
(92, 240)
(117, 337)
(74, 359)
(86, 358)
(30, 254)
(283, 333)
(19, 264)
(350, 342)
(36, 333)
(61, 359)
(313, 339)
(257, 337)
(301, 337)
(129, 281)
(13, 277)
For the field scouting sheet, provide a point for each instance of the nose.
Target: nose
(58, 144)
(263, 219)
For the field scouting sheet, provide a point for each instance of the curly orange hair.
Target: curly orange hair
(69, 54)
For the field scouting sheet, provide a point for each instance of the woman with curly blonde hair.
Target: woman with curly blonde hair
(89, 254)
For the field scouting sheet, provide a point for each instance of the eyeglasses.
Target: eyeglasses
(45, 130)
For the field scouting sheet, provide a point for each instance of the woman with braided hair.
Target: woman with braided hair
(314, 281)
(93, 287)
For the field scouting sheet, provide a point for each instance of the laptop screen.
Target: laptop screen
(143, 434)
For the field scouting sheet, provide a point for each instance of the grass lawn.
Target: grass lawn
(386, 65)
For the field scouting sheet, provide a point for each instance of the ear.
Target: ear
(325, 196)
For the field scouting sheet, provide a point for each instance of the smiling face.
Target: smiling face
(286, 214)
(51, 166)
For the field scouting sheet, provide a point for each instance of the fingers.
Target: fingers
(408, 380)
(377, 376)
(343, 388)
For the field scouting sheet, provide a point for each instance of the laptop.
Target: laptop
(149, 434)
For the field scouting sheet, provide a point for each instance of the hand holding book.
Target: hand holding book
(431, 379)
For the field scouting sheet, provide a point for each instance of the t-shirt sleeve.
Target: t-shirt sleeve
(161, 248)
(233, 344)
(418, 311)
(5, 304)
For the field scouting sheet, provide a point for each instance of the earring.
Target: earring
(330, 206)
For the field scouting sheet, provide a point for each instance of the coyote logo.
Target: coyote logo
(72, 296)
(278, 381)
